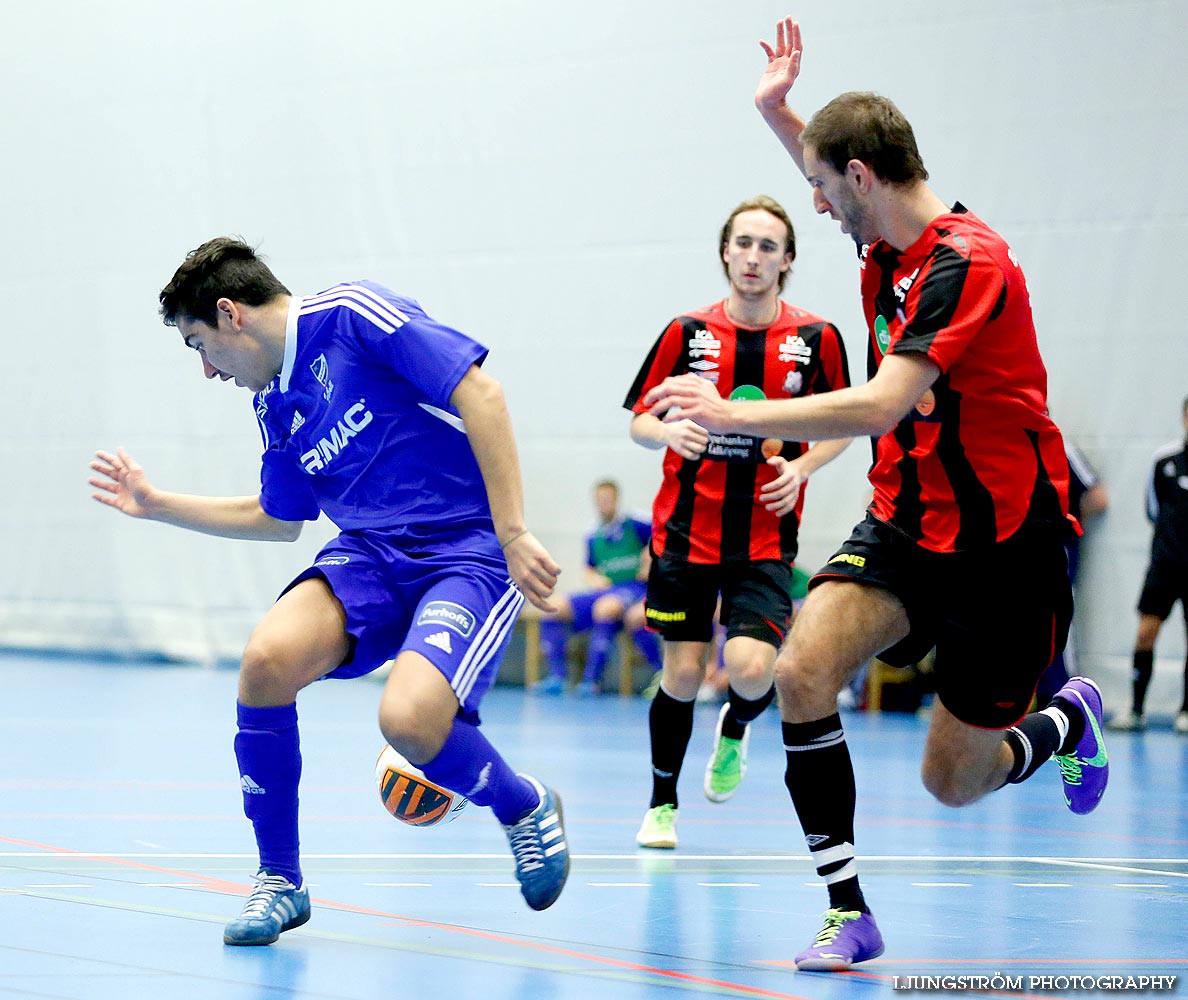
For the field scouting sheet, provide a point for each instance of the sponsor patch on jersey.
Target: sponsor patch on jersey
(795, 349)
(333, 561)
(450, 615)
(882, 333)
(704, 343)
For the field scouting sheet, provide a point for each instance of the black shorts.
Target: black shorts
(756, 599)
(996, 616)
(1165, 583)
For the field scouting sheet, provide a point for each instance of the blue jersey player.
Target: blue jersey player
(382, 418)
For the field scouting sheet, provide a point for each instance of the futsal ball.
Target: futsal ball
(411, 797)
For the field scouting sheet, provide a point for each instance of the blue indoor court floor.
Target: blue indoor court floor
(123, 850)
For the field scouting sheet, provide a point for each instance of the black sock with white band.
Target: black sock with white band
(820, 778)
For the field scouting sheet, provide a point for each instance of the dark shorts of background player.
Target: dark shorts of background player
(1166, 582)
(756, 599)
(996, 616)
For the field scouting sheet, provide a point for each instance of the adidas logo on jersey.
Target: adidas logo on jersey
(441, 640)
(249, 786)
(298, 420)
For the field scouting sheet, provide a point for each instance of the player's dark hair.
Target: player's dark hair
(773, 207)
(224, 267)
(866, 127)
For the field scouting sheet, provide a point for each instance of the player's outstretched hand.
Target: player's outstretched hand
(783, 66)
(532, 569)
(121, 482)
(689, 397)
(780, 495)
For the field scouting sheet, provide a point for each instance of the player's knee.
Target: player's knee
(415, 734)
(797, 679)
(265, 677)
(945, 784)
(751, 672)
(607, 609)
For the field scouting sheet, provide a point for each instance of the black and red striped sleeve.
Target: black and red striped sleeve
(663, 360)
(949, 303)
(834, 370)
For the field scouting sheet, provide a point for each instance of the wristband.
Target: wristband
(512, 539)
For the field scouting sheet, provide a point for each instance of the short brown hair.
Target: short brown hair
(869, 128)
(224, 267)
(772, 207)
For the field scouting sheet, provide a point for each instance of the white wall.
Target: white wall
(550, 177)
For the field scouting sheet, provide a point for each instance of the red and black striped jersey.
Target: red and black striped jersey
(708, 511)
(978, 455)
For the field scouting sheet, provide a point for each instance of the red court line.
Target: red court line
(222, 885)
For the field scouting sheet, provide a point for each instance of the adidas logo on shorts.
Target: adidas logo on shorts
(441, 640)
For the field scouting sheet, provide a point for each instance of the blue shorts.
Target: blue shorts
(452, 601)
(628, 593)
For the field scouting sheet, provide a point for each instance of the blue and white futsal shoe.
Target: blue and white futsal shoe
(275, 906)
(538, 845)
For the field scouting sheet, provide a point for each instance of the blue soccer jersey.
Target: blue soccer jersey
(359, 425)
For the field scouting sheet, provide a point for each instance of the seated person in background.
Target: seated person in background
(617, 564)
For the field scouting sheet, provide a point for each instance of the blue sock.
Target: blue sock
(602, 640)
(268, 749)
(470, 765)
(648, 643)
(553, 636)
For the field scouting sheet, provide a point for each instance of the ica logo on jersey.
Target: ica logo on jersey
(328, 448)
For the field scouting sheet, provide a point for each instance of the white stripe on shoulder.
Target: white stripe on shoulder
(365, 296)
(311, 306)
(263, 431)
(449, 418)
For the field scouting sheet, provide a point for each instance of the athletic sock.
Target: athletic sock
(553, 637)
(602, 640)
(670, 724)
(819, 776)
(1144, 666)
(1040, 735)
(742, 712)
(268, 749)
(648, 643)
(468, 764)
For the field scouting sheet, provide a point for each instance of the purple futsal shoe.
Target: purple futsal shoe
(847, 936)
(1086, 771)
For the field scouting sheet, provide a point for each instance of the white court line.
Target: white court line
(1137, 865)
(59, 885)
(1140, 885)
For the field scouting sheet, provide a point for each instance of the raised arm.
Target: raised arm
(122, 484)
(478, 398)
(783, 67)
